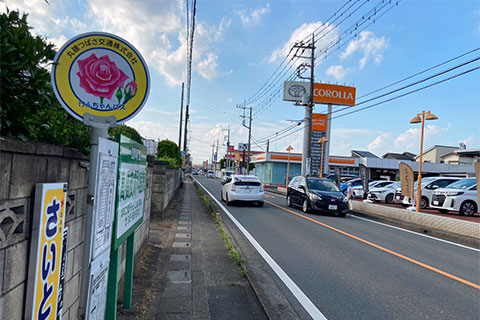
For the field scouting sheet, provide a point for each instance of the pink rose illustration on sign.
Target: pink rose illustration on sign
(100, 76)
(131, 89)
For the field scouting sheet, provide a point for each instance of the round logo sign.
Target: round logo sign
(100, 74)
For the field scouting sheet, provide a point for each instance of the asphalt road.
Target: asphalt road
(352, 268)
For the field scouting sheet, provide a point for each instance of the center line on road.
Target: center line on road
(421, 264)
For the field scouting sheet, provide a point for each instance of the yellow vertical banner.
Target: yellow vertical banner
(47, 256)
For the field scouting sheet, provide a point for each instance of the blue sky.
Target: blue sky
(238, 45)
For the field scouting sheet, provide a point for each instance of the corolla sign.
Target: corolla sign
(100, 74)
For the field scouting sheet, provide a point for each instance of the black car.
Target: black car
(316, 194)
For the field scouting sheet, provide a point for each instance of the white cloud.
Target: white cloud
(255, 16)
(207, 68)
(410, 139)
(369, 45)
(164, 46)
(338, 72)
(380, 144)
(330, 33)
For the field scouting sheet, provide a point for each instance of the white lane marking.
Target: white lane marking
(292, 286)
(406, 230)
(416, 233)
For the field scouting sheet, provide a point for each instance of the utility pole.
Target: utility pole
(307, 131)
(249, 127)
(181, 120)
(216, 158)
(185, 134)
(213, 152)
(228, 147)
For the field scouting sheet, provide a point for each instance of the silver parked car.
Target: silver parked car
(242, 188)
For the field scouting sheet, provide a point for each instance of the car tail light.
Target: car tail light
(233, 188)
(261, 188)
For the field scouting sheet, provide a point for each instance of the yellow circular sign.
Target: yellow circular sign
(100, 74)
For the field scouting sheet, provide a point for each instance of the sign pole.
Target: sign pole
(112, 284)
(327, 147)
(99, 129)
(127, 293)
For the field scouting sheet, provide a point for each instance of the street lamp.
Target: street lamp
(288, 165)
(322, 141)
(421, 117)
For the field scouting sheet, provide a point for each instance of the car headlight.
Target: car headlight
(345, 199)
(456, 193)
(314, 197)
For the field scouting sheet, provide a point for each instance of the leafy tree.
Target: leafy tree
(169, 149)
(126, 131)
(223, 163)
(29, 109)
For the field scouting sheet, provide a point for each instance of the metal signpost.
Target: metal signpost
(46, 272)
(132, 172)
(102, 80)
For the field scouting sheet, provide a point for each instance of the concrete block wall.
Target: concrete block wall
(165, 183)
(22, 165)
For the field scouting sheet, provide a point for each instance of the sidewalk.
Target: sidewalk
(186, 271)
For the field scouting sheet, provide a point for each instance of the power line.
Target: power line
(266, 103)
(410, 85)
(387, 100)
(419, 73)
(408, 93)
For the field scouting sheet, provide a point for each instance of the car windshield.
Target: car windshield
(424, 181)
(393, 185)
(321, 185)
(462, 184)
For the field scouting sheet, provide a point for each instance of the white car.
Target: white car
(385, 194)
(429, 185)
(243, 188)
(211, 174)
(460, 196)
(358, 190)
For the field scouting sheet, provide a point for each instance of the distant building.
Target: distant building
(271, 167)
(363, 154)
(462, 156)
(399, 156)
(434, 154)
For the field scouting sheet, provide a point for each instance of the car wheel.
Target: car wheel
(221, 195)
(468, 208)
(305, 207)
(423, 203)
(289, 201)
(260, 203)
(226, 199)
(443, 210)
(389, 198)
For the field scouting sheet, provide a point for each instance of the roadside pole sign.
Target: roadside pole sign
(46, 274)
(102, 80)
(100, 74)
(104, 206)
(132, 173)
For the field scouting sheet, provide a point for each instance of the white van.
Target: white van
(429, 185)
(460, 196)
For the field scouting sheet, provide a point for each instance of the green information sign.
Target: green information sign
(132, 172)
